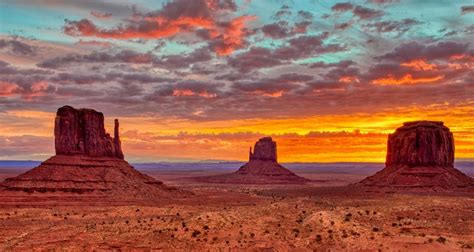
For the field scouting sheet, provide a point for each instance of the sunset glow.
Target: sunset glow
(203, 80)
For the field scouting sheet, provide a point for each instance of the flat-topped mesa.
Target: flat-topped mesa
(82, 132)
(264, 150)
(421, 143)
(420, 155)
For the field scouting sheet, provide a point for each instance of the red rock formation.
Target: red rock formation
(265, 150)
(82, 132)
(420, 154)
(262, 168)
(87, 161)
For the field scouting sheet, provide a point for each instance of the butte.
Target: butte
(420, 155)
(262, 168)
(89, 166)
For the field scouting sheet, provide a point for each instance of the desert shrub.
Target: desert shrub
(196, 233)
(441, 239)
(318, 238)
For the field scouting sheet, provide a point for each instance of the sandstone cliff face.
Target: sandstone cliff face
(420, 155)
(264, 150)
(421, 143)
(87, 160)
(82, 132)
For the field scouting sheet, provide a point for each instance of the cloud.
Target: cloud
(273, 87)
(414, 50)
(17, 146)
(357, 10)
(467, 9)
(101, 15)
(392, 26)
(9, 89)
(93, 43)
(342, 7)
(174, 18)
(382, 2)
(340, 64)
(366, 13)
(297, 48)
(171, 61)
(282, 29)
(407, 79)
(17, 47)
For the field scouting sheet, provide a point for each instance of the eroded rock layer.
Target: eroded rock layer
(420, 154)
(88, 161)
(82, 132)
(262, 168)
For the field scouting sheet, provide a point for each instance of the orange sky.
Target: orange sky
(348, 138)
(200, 79)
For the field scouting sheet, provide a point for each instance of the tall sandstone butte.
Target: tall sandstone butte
(82, 132)
(420, 154)
(262, 168)
(88, 160)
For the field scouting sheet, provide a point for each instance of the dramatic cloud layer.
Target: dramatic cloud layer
(204, 79)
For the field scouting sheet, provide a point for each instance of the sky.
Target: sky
(195, 80)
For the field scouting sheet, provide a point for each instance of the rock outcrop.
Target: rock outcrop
(262, 168)
(88, 161)
(420, 154)
(82, 132)
(265, 150)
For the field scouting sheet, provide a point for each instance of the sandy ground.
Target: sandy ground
(321, 216)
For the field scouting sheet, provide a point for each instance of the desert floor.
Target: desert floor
(321, 216)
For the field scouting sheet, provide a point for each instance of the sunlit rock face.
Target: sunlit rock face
(420, 154)
(82, 132)
(87, 161)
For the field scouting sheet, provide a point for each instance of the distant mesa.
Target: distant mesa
(262, 168)
(420, 154)
(88, 161)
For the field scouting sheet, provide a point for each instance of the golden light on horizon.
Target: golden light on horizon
(331, 138)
